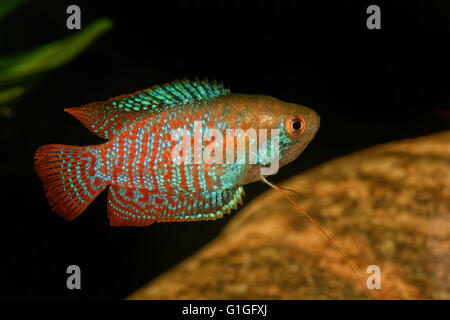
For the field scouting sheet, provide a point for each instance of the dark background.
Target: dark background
(369, 86)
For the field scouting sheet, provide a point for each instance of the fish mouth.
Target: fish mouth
(317, 122)
(313, 124)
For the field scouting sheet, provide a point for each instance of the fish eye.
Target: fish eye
(295, 125)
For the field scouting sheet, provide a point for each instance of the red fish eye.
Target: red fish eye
(295, 125)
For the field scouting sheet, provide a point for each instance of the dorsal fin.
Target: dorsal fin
(107, 118)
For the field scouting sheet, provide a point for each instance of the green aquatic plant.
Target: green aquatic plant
(8, 5)
(18, 70)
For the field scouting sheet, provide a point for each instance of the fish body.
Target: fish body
(138, 162)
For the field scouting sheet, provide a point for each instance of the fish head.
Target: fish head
(296, 126)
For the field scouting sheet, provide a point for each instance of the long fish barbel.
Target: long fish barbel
(319, 227)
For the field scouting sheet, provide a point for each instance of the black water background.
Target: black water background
(368, 86)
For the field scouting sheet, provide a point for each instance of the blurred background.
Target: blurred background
(369, 87)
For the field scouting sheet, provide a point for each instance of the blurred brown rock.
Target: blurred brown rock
(388, 205)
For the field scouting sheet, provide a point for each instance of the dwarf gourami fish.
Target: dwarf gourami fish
(145, 184)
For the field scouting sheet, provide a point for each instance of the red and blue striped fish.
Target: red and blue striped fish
(145, 184)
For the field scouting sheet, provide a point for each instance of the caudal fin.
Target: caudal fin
(70, 178)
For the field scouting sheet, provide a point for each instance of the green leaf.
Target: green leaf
(11, 94)
(9, 5)
(17, 67)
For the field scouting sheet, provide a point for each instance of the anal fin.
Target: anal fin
(128, 207)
